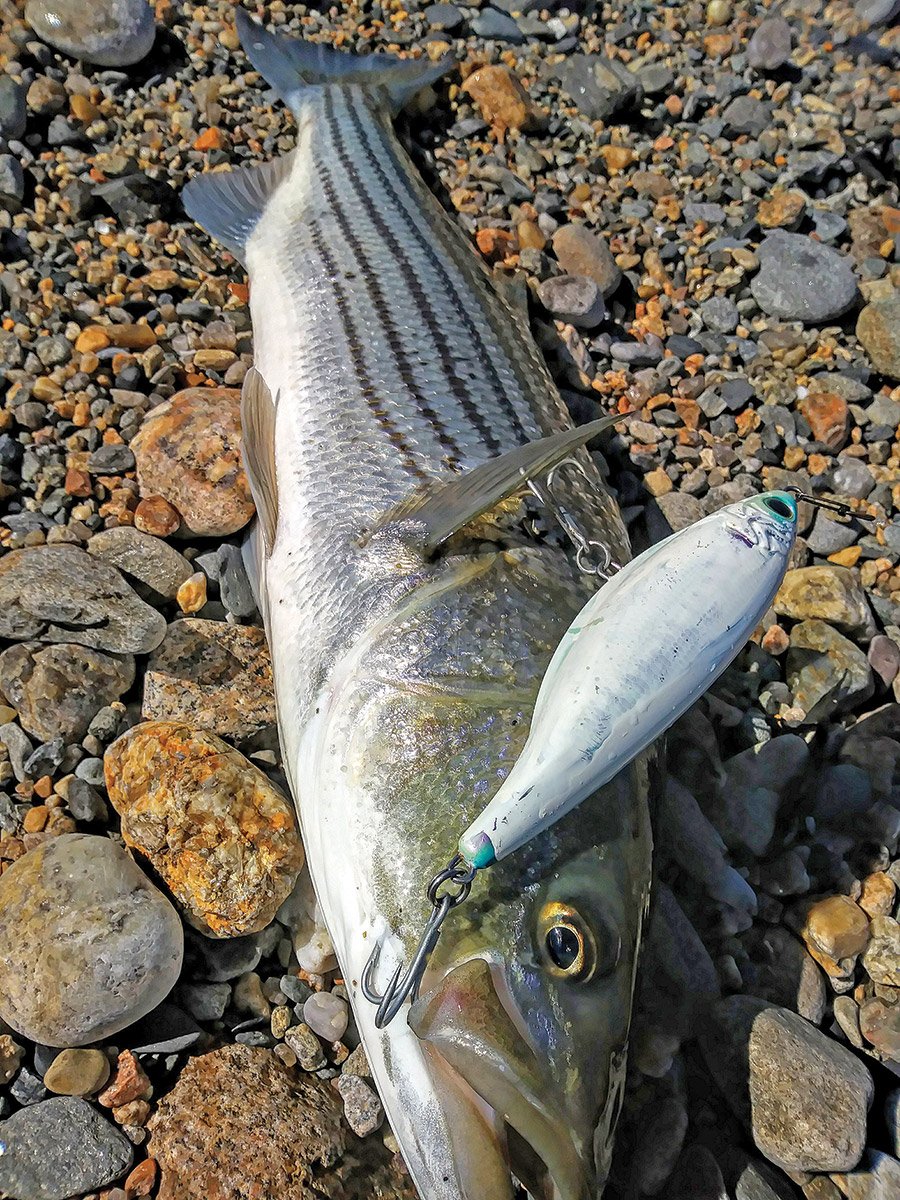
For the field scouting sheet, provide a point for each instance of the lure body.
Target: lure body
(640, 652)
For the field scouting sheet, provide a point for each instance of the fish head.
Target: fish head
(527, 999)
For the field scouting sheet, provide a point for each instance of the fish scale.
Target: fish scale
(405, 680)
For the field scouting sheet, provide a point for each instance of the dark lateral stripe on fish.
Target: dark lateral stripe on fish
(401, 174)
(355, 346)
(456, 385)
(378, 298)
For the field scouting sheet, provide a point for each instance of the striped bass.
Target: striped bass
(395, 407)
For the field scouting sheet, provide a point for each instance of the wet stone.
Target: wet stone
(599, 86)
(110, 33)
(57, 690)
(220, 835)
(143, 557)
(111, 942)
(306, 1045)
(213, 675)
(62, 594)
(801, 279)
(58, 1148)
(13, 111)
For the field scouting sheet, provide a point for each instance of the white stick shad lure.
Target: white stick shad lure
(641, 651)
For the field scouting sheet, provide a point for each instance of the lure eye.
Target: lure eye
(570, 948)
(780, 508)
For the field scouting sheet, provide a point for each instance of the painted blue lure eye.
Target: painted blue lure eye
(781, 505)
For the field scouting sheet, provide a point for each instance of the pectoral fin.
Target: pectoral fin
(441, 509)
(258, 449)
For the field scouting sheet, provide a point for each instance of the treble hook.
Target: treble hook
(835, 506)
(406, 985)
(569, 524)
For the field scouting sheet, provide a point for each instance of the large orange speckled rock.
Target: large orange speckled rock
(239, 1126)
(188, 451)
(222, 837)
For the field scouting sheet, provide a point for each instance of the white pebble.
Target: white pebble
(327, 1015)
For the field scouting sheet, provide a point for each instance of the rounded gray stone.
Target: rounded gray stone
(800, 279)
(58, 1148)
(143, 557)
(110, 33)
(575, 299)
(88, 945)
(804, 1096)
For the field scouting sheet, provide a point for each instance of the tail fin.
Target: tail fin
(291, 64)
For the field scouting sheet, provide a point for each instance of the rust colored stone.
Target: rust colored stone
(781, 210)
(129, 1083)
(829, 418)
(188, 451)
(223, 838)
(157, 516)
(238, 1124)
(500, 99)
(142, 1180)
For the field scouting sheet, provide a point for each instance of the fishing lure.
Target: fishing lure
(643, 649)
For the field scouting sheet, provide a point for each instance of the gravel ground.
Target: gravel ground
(698, 204)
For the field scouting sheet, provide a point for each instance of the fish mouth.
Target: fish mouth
(474, 1045)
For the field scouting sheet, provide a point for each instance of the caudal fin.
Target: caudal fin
(291, 65)
(228, 204)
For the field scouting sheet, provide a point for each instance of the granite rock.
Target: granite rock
(110, 33)
(219, 834)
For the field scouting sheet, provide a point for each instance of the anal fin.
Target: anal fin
(440, 509)
(258, 449)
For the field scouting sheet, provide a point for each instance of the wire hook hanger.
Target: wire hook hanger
(838, 507)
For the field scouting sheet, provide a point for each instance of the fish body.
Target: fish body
(638, 655)
(387, 368)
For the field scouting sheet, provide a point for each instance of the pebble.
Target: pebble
(142, 556)
(826, 672)
(11, 1055)
(220, 835)
(113, 943)
(802, 280)
(188, 452)
(306, 1045)
(581, 251)
(882, 957)
(58, 689)
(804, 1096)
(205, 1001)
(574, 299)
(62, 594)
(77, 1073)
(362, 1107)
(500, 97)
(826, 593)
(884, 658)
(214, 675)
(234, 586)
(879, 1024)
(599, 86)
(13, 110)
(237, 1123)
(876, 1178)
(110, 33)
(770, 46)
(327, 1015)
(836, 928)
(59, 1148)
(829, 418)
(878, 330)
(789, 977)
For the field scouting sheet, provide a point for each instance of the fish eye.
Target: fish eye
(781, 506)
(570, 947)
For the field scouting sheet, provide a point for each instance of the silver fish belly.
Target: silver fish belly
(388, 366)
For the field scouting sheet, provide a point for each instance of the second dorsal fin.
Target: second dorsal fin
(258, 446)
(441, 508)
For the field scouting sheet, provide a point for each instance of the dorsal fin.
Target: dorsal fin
(258, 448)
(439, 509)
